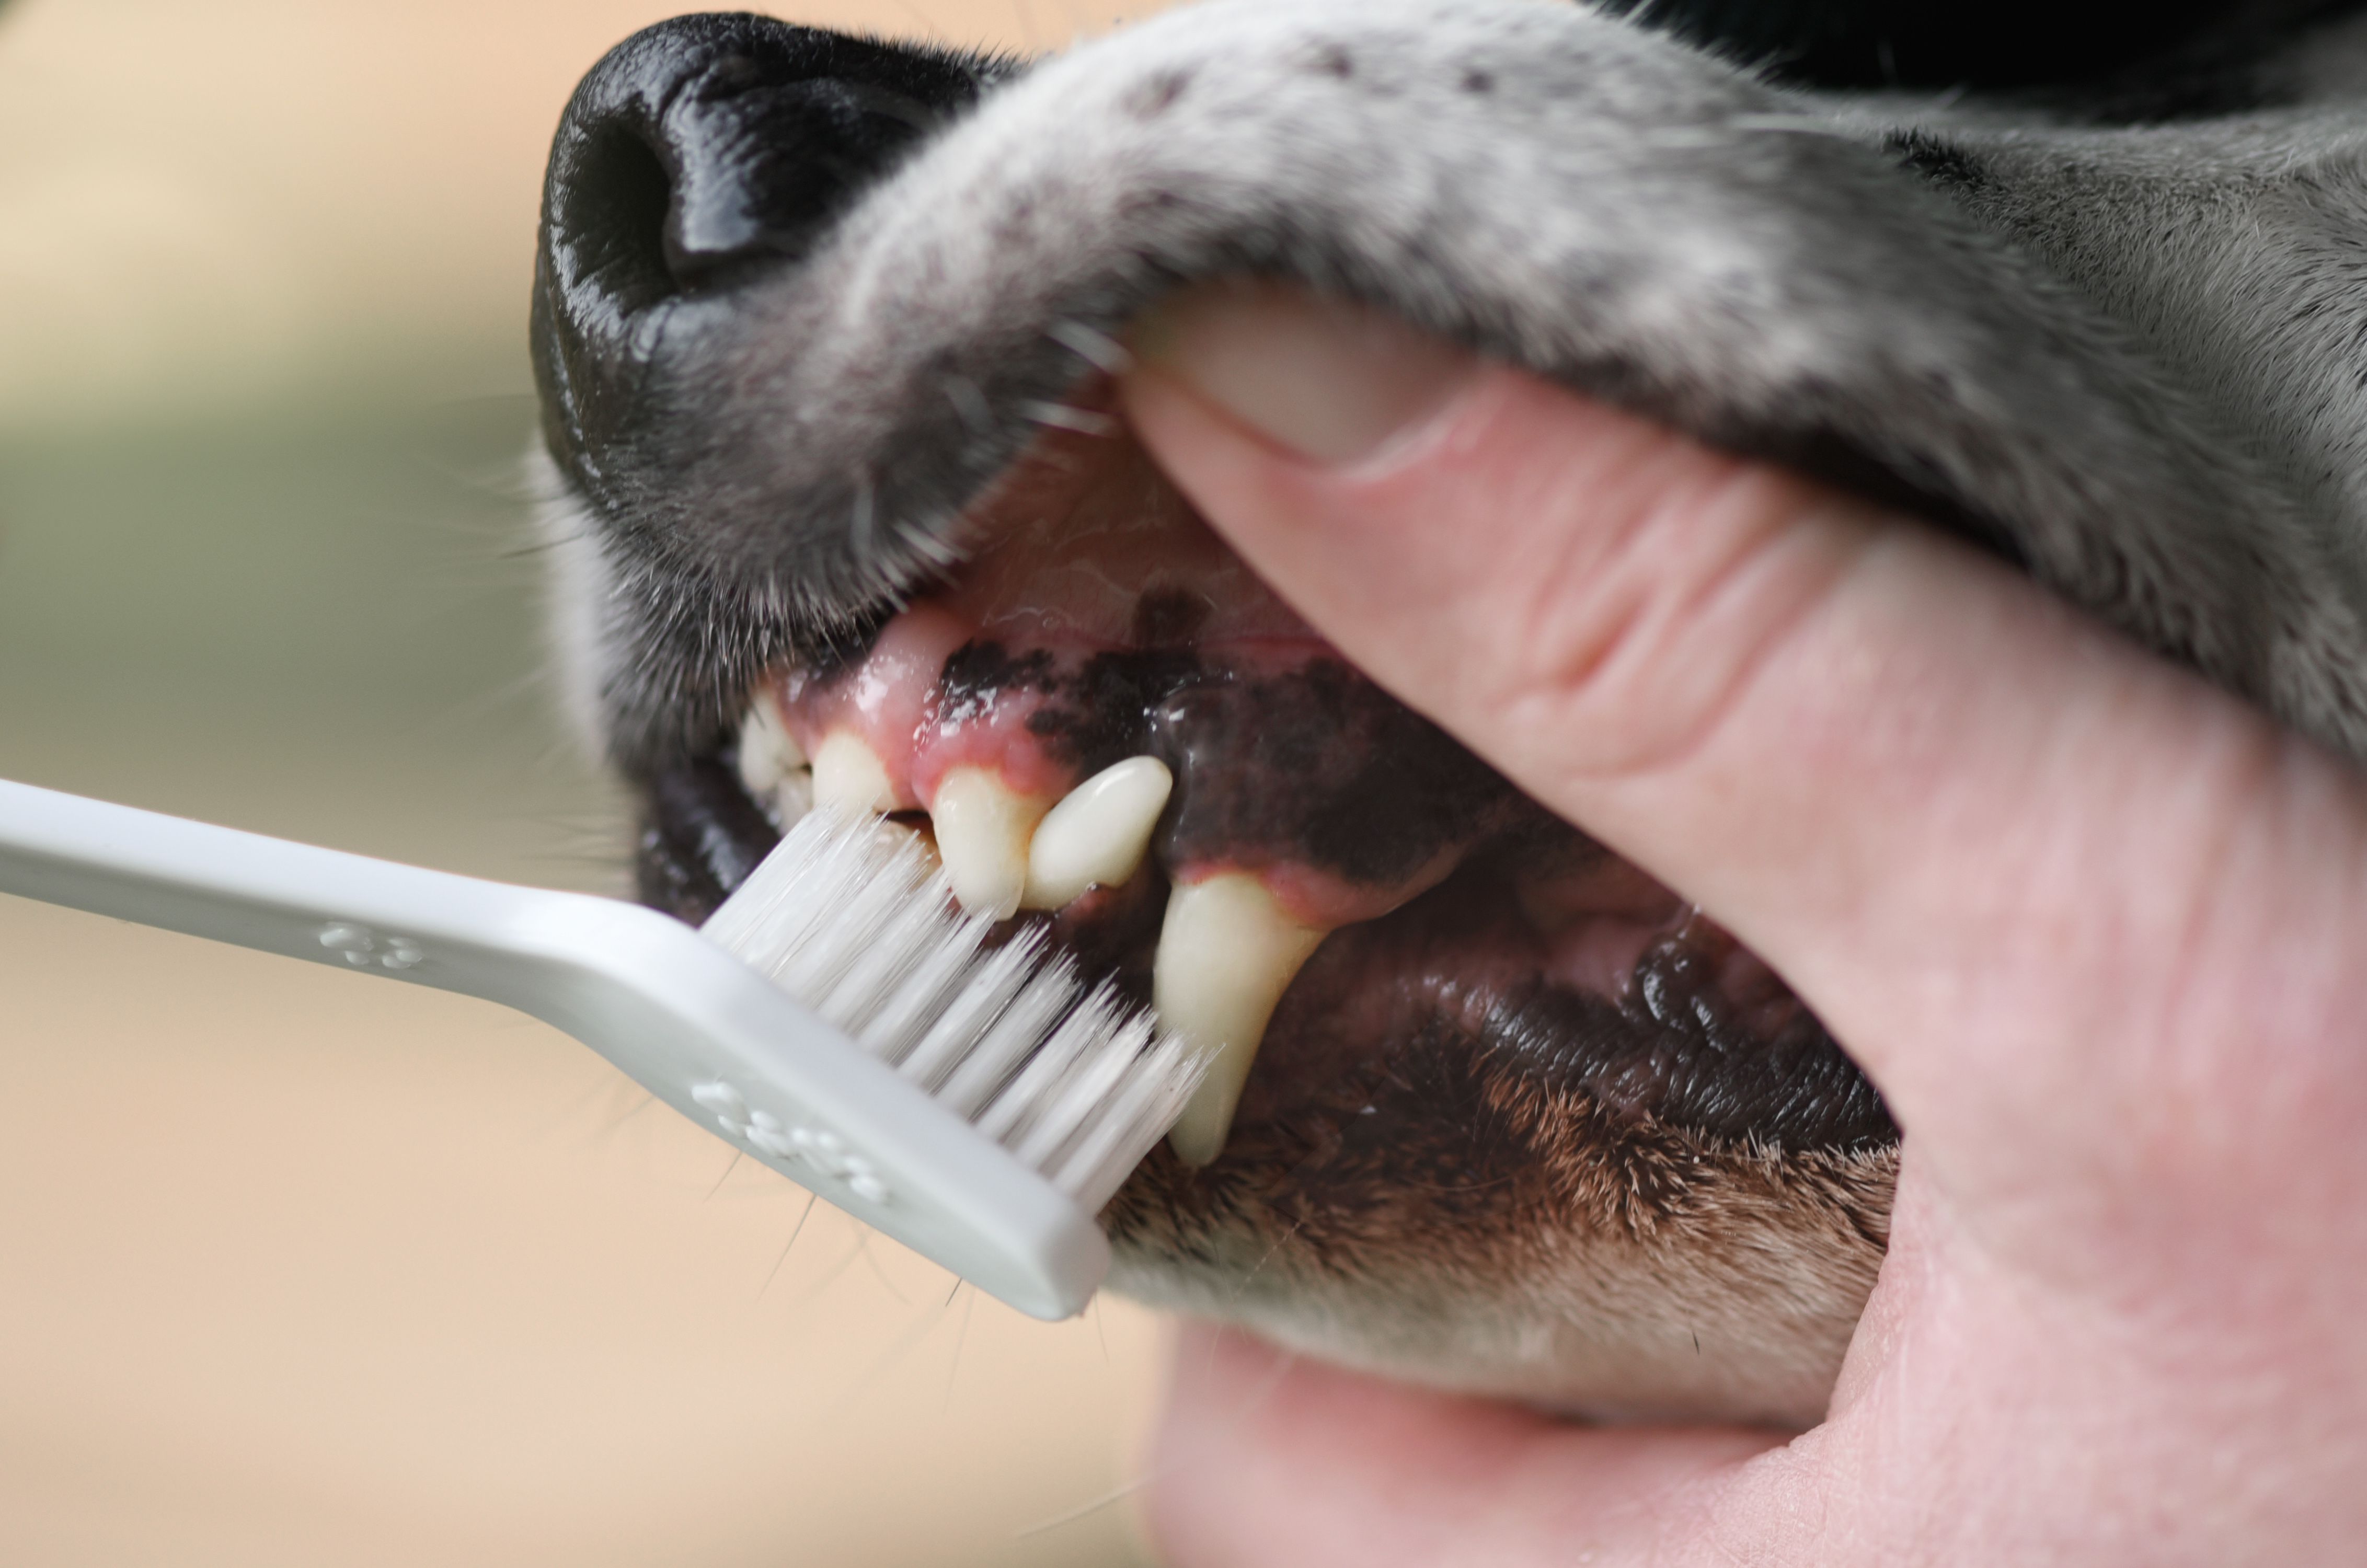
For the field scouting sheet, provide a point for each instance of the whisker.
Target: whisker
(1061, 417)
(1117, 1493)
(1257, 1396)
(829, 1276)
(643, 1103)
(970, 404)
(1806, 125)
(794, 1231)
(862, 528)
(1093, 345)
(932, 547)
(931, 29)
(961, 1338)
(1279, 1242)
(862, 1244)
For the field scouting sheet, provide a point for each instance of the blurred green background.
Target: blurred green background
(297, 1267)
(318, 618)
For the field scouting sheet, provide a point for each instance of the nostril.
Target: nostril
(762, 165)
(700, 156)
(709, 142)
(608, 216)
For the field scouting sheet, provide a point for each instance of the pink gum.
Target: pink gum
(891, 702)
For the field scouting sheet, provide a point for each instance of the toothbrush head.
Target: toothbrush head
(854, 919)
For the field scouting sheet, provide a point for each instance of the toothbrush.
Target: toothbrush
(836, 1019)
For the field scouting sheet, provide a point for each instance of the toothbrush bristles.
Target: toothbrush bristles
(853, 917)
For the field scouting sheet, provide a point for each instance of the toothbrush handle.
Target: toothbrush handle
(271, 894)
(674, 1010)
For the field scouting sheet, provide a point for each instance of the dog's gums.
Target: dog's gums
(841, 511)
(1099, 641)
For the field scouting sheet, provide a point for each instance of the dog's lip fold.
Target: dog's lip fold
(1099, 621)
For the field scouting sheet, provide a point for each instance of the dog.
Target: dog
(824, 329)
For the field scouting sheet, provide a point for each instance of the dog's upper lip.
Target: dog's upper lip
(1083, 542)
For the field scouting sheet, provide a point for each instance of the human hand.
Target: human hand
(2098, 930)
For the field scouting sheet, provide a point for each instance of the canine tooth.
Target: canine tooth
(983, 827)
(773, 766)
(849, 777)
(1226, 954)
(1098, 833)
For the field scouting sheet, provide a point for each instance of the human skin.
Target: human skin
(2098, 930)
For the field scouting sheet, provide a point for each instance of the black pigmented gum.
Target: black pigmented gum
(1102, 714)
(1317, 765)
(1314, 765)
(1323, 761)
(979, 673)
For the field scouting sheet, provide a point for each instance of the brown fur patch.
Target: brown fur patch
(1454, 1218)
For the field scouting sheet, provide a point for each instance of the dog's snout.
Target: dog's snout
(695, 175)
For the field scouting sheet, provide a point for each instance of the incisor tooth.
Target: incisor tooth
(1226, 954)
(1098, 833)
(983, 826)
(772, 765)
(849, 776)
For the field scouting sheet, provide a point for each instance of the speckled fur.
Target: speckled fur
(1607, 1266)
(2130, 356)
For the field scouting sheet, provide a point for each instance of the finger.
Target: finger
(1921, 788)
(1261, 1460)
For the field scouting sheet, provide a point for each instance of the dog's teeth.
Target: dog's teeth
(772, 766)
(767, 752)
(849, 777)
(983, 827)
(1098, 833)
(1226, 954)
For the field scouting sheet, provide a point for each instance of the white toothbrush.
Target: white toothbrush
(837, 1018)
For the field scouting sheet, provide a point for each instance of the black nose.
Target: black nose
(696, 172)
(711, 141)
(702, 150)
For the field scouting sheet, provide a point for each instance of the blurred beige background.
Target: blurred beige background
(297, 1267)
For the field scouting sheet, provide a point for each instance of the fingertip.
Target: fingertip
(1904, 775)
(1325, 378)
